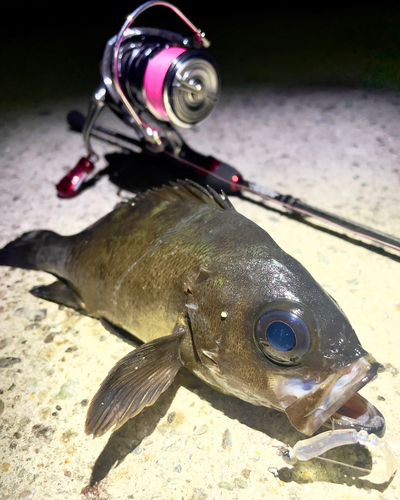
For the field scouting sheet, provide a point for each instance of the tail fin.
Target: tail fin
(33, 250)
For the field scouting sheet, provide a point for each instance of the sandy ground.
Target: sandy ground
(337, 149)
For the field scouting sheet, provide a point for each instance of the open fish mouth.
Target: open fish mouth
(359, 414)
(335, 402)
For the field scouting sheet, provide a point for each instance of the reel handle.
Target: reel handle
(69, 185)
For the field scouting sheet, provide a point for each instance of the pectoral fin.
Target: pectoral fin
(136, 381)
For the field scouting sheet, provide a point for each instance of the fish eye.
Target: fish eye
(283, 336)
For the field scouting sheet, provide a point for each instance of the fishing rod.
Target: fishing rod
(155, 80)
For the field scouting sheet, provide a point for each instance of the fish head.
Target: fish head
(268, 333)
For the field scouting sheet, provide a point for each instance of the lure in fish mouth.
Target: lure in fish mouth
(332, 398)
(335, 404)
(205, 288)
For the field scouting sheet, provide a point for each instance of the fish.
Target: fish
(205, 288)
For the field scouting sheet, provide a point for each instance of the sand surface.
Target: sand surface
(337, 149)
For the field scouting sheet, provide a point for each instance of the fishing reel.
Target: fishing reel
(154, 80)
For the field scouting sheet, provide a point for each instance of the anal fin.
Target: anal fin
(60, 293)
(136, 381)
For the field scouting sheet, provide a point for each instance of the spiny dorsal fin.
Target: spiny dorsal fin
(186, 190)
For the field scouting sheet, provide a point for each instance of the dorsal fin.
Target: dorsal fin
(186, 190)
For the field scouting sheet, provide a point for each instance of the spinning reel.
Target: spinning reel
(154, 80)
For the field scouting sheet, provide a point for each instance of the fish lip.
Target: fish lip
(309, 412)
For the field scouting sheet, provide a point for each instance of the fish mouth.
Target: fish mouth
(335, 402)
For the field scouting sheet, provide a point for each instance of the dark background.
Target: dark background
(52, 50)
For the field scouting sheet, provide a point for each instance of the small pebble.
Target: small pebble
(84, 402)
(49, 338)
(26, 494)
(9, 361)
(226, 439)
(32, 326)
(68, 435)
(58, 407)
(68, 390)
(72, 349)
(246, 473)
(200, 494)
(24, 421)
(46, 432)
(381, 398)
(22, 312)
(67, 473)
(226, 486)
(198, 431)
(178, 468)
(31, 385)
(240, 483)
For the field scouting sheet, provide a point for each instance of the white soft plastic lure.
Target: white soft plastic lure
(315, 446)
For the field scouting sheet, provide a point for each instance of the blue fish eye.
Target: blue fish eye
(283, 335)
(280, 336)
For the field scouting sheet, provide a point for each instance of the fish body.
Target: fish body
(205, 288)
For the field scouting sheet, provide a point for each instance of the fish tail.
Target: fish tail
(32, 250)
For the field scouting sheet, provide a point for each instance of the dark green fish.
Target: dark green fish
(205, 288)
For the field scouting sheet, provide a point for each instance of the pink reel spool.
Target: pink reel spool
(154, 79)
(180, 85)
